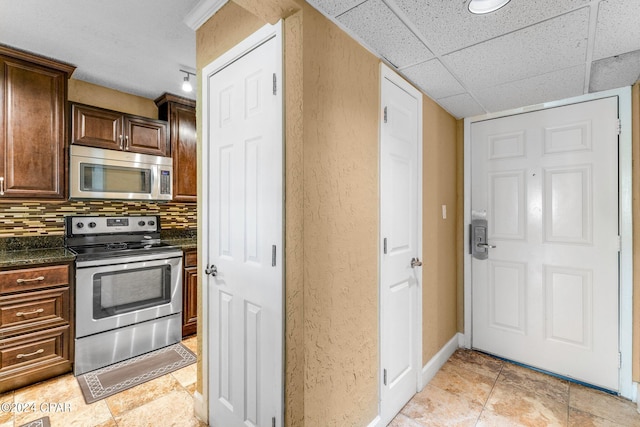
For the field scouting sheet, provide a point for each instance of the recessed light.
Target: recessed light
(480, 7)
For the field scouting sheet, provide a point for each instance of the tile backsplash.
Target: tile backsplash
(47, 218)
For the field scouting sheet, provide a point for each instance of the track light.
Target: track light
(186, 84)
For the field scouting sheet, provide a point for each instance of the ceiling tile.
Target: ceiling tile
(534, 90)
(375, 24)
(449, 26)
(461, 106)
(618, 28)
(617, 71)
(334, 7)
(434, 79)
(551, 45)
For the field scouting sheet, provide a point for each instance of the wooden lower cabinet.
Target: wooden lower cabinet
(190, 293)
(36, 333)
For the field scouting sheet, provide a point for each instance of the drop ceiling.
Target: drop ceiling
(527, 53)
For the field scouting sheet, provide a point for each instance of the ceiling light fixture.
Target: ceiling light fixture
(480, 7)
(186, 84)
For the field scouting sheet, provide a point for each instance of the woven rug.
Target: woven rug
(115, 378)
(40, 422)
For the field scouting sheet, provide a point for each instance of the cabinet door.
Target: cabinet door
(183, 142)
(32, 130)
(146, 136)
(96, 127)
(190, 293)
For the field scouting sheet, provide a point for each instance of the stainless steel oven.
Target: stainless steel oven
(128, 289)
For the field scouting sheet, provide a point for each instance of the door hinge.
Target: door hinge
(619, 126)
(275, 84)
(384, 245)
(273, 255)
(384, 376)
(619, 244)
(273, 422)
(385, 114)
(619, 360)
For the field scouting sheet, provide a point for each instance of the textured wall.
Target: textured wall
(100, 96)
(341, 85)
(294, 210)
(439, 248)
(635, 108)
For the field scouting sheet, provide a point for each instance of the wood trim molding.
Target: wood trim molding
(204, 10)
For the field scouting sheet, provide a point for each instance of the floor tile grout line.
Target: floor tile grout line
(484, 405)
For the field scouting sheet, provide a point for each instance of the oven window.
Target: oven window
(114, 179)
(130, 290)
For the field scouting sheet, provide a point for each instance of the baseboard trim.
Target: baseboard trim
(375, 422)
(200, 408)
(433, 366)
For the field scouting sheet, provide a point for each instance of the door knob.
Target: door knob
(213, 270)
(415, 262)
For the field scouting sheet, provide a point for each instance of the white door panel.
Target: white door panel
(245, 216)
(547, 296)
(400, 231)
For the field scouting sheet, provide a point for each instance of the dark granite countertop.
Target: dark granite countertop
(26, 251)
(28, 257)
(185, 243)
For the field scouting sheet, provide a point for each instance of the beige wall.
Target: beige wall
(331, 150)
(439, 249)
(100, 96)
(635, 109)
(341, 85)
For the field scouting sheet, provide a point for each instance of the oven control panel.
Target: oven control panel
(114, 224)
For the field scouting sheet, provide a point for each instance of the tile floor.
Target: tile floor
(473, 389)
(164, 401)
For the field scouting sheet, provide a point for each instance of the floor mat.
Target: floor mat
(115, 378)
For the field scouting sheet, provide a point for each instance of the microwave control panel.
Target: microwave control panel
(165, 181)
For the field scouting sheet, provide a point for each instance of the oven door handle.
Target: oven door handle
(213, 270)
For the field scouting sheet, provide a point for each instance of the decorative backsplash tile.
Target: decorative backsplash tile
(42, 218)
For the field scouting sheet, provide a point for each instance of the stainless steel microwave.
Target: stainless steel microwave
(96, 173)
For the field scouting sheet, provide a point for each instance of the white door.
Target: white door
(244, 137)
(547, 184)
(400, 235)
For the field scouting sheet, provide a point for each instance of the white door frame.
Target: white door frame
(389, 74)
(627, 387)
(254, 40)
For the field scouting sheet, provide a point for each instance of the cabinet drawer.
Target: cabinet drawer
(191, 259)
(33, 278)
(21, 312)
(47, 346)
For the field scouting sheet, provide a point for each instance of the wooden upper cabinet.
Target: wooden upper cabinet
(33, 93)
(96, 127)
(181, 115)
(113, 130)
